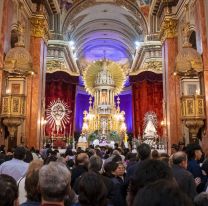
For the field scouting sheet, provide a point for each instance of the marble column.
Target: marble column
(5, 13)
(36, 83)
(202, 47)
(171, 92)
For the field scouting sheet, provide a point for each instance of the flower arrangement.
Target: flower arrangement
(93, 136)
(114, 136)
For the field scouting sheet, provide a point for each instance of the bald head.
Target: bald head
(179, 157)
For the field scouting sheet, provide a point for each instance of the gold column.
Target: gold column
(100, 97)
(108, 91)
(112, 98)
(96, 99)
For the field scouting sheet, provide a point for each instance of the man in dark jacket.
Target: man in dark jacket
(82, 161)
(194, 153)
(95, 165)
(183, 177)
(143, 152)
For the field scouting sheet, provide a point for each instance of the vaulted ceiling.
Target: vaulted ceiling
(105, 30)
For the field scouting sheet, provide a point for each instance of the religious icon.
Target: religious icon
(104, 97)
(57, 115)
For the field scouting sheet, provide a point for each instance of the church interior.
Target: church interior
(107, 70)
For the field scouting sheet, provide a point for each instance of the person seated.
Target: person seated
(162, 193)
(8, 191)
(54, 183)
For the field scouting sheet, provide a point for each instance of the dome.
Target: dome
(188, 59)
(104, 77)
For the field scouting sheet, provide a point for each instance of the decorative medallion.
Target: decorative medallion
(58, 115)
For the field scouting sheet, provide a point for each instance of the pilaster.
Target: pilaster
(36, 83)
(171, 92)
(201, 31)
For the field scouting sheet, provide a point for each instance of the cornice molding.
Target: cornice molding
(59, 58)
(148, 58)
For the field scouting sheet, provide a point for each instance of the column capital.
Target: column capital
(39, 26)
(168, 29)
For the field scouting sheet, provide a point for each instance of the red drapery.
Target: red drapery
(147, 97)
(61, 86)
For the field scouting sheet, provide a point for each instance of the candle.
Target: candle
(70, 130)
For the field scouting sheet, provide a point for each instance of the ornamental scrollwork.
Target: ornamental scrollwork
(168, 29)
(39, 26)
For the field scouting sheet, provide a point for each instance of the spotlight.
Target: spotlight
(137, 44)
(71, 43)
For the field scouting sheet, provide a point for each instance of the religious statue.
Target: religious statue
(104, 97)
(150, 130)
(150, 125)
(104, 126)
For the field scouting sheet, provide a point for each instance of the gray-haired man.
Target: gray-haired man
(54, 183)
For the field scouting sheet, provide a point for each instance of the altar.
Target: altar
(104, 80)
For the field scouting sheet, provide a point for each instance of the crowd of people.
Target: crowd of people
(102, 176)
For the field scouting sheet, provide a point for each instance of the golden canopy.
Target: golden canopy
(90, 75)
(18, 59)
(188, 59)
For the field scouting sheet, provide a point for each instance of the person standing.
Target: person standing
(15, 167)
(183, 177)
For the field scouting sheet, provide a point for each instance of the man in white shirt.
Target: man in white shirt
(16, 167)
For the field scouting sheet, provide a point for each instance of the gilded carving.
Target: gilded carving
(154, 66)
(192, 106)
(56, 65)
(13, 106)
(16, 105)
(5, 107)
(168, 29)
(39, 26)
(12, 123)
(193, 113)
(194, 125)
